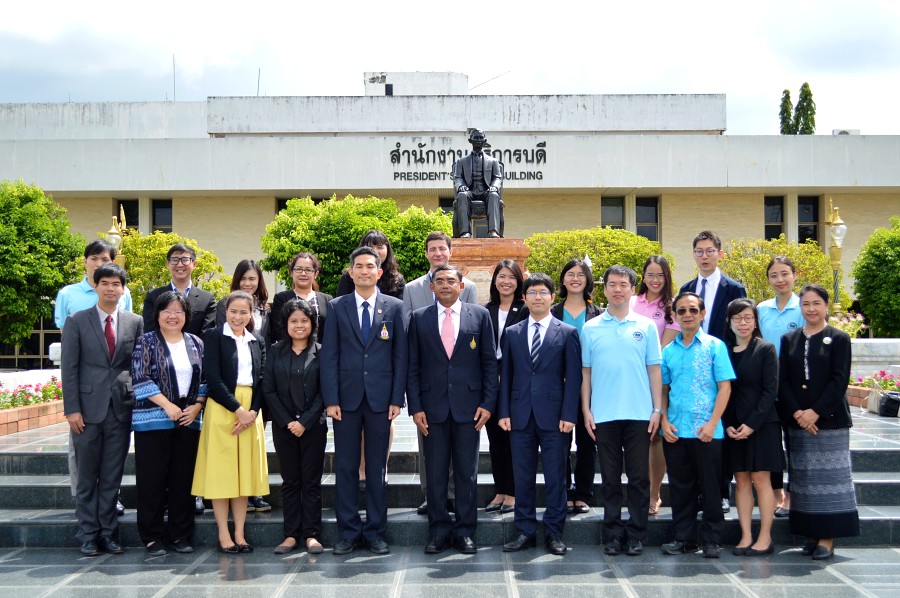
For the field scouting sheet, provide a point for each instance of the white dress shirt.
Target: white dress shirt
(244, 357)
(712, 285)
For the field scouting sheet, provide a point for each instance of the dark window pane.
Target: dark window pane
(162, 215)
(808, 209)
(807, 231)
(774, 209)
(773, 231)
(648, 231)
(281, 204)
(130, 207)
(647, 210)
(612, 212)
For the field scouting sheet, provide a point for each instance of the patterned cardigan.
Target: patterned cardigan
(152, 373)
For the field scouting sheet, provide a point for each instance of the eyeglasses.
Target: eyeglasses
(649, 276)
(573, 274)
(445, 282)
(683, 310)
(185, 259)
(542, 293)
(302, 270)
(168, 313)
(710, 251)
(738, 319)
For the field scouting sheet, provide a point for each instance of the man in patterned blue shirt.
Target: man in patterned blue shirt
(696, 376)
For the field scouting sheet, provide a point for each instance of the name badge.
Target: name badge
(384, 334)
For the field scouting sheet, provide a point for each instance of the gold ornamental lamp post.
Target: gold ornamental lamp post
(114, 235)
(837, 230)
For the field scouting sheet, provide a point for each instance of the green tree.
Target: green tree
(37, 257)
(877, 280)
(145, 262)
(786, 115)
(605, 247)
(803, 119)
(332, 229)
(745, 260)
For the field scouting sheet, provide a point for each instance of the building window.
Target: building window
(774, 208)
(162, 215)
(808, 218)
(33, 353)
(129, 207)
(612, 212)
(647, 217)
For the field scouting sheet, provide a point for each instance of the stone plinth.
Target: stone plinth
(478, 257)
(871, 354)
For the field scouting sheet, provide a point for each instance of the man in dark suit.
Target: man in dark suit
(181, 261)
(452, 391)
(716, 290)
(363, 373)
(476, 176)
(539, 396)
(96, 375)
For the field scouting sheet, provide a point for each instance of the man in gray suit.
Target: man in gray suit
(476, 176)
(97, 343)
(418, 294)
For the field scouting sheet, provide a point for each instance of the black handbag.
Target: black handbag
(889, 404)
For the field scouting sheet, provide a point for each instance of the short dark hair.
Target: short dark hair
(734, 308)
(620, 270)
(437, 236)
(781, 259)
(708, 235)
(538, 279)
(808, 288)
(365, 251)
(241, 296)
(99, 247)
(588, 291)
(685, 295)
(180, 248)
(300, 305)
(261, 294)
(513, 267)
(165, 300)
(110, 270)
(448, 268)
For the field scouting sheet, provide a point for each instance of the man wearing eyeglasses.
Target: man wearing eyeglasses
(181, 261)
(696, 377)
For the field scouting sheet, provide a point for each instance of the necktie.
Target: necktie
(705, 323)
(447, 332)
(366, 322)
(110, 336)
(535, 343)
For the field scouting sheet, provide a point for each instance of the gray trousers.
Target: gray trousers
(462, 211)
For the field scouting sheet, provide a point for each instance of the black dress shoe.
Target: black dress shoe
(107, 544)
(120, 508)
(763, 552)
(521, 542)
(182, 546)
(345, 546)
(89, 548)
(678, 547)
(740, 550)
(613, 546)
(259, 504)
(199, 507)
(809, 547)
(821, 553)
(634, 547)
(437, 545)
(711, 551)
(492, 234)
(245, 548)
(379, 546)
(507, 509)
(555, 545)
(422, 509)
(493, 506)
(156, 548)
(466, 236)
(233, 549)
(465, 545)
(581, 509)
(451, 505)
(781, 512)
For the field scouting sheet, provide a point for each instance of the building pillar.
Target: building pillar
(791, 218)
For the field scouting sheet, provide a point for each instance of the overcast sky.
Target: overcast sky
(97, 50)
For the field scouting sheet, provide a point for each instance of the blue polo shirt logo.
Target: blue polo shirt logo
(638, 335)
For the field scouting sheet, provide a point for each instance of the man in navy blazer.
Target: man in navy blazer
(363, 374)
(452, 391)
(716, 290)
(539, 397)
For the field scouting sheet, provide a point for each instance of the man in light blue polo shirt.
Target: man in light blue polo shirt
(621, 395)
(696, 376)
(81, 295)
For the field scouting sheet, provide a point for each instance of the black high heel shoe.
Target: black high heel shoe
(233, 549)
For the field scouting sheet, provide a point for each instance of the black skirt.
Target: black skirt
(761, 452)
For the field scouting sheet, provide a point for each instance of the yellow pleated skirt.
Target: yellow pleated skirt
(230, 466)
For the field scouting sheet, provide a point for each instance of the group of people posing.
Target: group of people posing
(703, 383)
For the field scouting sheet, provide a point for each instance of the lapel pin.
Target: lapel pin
(472, 344)
(379, 311)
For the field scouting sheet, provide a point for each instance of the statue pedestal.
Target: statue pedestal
(478, 257)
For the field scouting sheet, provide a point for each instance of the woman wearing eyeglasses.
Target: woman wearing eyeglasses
(752, 430)
(304, 270)
(654, 300)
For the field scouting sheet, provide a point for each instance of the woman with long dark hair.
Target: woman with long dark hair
(248, 277)
(391, 282)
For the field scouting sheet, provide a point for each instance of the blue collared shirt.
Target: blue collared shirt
(618, 353)
(775, 323)
(693, 374)
(80, 296)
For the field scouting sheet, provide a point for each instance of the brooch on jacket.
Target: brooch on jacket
(826, 340)
(384, 334)
(472, 344)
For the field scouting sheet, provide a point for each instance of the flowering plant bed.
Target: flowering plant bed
(881, 379)
(30, 406)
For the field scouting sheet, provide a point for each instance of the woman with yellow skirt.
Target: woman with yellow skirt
(231, 461)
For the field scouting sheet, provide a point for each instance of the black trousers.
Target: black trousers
(447, 440)
(302, 462)
(692, 465)
(462, 207)
(164, 468)
(624, 442)
(585, 454)
(501, 458)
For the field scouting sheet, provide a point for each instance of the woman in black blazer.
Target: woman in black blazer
(753, 434)
(812, 402)
(292, 396)
(248, 277)
(506, 307)
(304, 270)
(576, 289)
(231, 460)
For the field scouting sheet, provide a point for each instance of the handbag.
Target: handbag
(889, 404)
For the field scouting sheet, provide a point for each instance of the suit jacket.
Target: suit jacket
(93, 382)
(220, 368)
(463, 172)
(276, 325)
(517, 313)
(352, 368)
(729, 290)
(417, 294)
(203, 310)
(458, 386)
(549, 389)
(829, 374)
(277, 391)
(755, 388)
